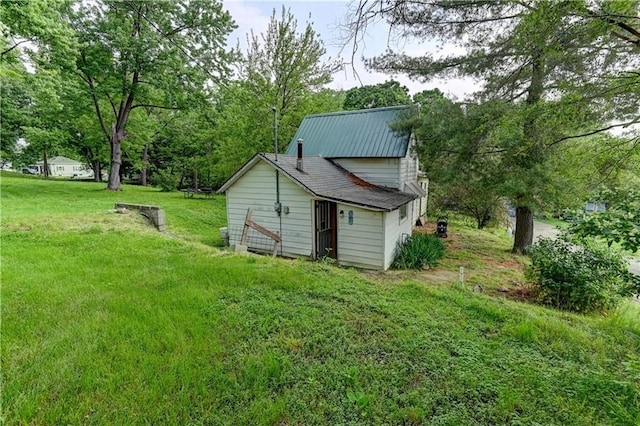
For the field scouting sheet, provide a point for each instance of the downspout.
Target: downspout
(278, 205)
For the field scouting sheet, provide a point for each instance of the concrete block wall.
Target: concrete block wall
(153, 213)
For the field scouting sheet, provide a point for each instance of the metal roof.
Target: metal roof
(325, 179)
(352, 134)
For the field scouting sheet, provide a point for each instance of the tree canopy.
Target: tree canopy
(389, 93)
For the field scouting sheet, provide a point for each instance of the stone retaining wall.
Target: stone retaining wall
(153, 213)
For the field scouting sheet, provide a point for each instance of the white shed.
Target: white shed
(319, 209)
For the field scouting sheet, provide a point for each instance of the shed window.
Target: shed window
(403, 211)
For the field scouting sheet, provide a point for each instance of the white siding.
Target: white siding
(395, 230)
(379, 171)
(360, 244)
(409, 171)
(256, 189)
(69, 170)
(422, 202)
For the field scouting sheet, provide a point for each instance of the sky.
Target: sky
(326, 17)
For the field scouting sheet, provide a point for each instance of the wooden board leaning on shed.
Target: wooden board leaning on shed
(248, 223)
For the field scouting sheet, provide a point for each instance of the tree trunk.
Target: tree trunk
(524, 229)
(145, 164)
(97, 171)
(116, 160)
(45, 164)
(195, 173)
(535, 153)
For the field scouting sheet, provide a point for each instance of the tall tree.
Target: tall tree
(389, 93)
(283, 69)
(15, 99)
(281, 66)
(148, 55)
(527, 53)
(45, 132)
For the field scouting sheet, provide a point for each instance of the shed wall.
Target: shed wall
(394, 231)
(256, 189)
(360, 244)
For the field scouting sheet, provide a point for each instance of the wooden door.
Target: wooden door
(326, 230)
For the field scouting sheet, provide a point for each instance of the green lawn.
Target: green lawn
(106, 321)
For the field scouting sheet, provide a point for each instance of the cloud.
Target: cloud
(248, 16)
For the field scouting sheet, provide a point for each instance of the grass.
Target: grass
(106, 321)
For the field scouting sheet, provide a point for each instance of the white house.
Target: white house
(63, 166)
(363, 143)
(317, 205)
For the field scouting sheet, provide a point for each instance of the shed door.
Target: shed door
(326, 230)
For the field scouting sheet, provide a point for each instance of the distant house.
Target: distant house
(353, 197)
(595, 207)
(63, 166)
(5, 164)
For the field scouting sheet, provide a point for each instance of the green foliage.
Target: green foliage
(620, 223)
(148, 55)
(419, 251)
(43, 24)
(282, 69)
(389, 93)
(15, 98)
(458, 143)
(166, 180)
(580, 278)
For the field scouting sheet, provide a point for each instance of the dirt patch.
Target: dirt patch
(505, 264)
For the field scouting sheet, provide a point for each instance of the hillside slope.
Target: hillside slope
(106, 321)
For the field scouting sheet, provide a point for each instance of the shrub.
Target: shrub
(166, 180)
(419, 251)
(580, 278)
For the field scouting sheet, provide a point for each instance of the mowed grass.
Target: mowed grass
(106, 321)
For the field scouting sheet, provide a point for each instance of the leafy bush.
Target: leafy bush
(619, 224)
(166, 180)
(580, 278)
(419, 251)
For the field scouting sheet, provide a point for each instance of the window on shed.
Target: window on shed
(403, 211)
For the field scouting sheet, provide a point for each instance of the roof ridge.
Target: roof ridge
(359, 111)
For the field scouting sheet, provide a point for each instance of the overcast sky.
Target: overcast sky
(326, 17)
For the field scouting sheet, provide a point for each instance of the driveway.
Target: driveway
(549, 231)
(543, 230)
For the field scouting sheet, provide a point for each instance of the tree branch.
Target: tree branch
(603, 129)
(113, 106)
(154, 106)
(13, 47)
(94, 97)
